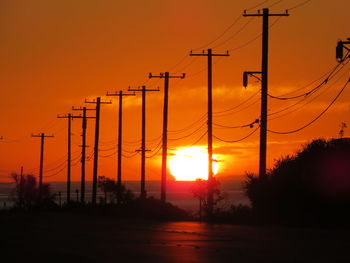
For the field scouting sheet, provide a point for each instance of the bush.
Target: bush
(27, 193)
(311, 186)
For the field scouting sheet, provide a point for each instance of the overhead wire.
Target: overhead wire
(317, 117)
(275, 3)
(306, 103)
(250, 125)
(188, 127)
(299, 5)
(257, 5)
(305, 98)
(237, 106)
(235, 34)
(325, 81)
(188, 135)
(222, 34)
(255, 38)
(238, 140)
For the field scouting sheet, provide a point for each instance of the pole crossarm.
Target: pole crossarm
(259, 14)
(212, 54)
(94, 101)
(81, 108)
(120, 93)
(142, 88)
(42, 135)
(143, 150)
(166, 75)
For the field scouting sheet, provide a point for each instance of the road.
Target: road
(59, 237)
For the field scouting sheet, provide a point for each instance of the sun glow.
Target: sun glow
(191, 163)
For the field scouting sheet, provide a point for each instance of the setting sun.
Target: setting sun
(191, 163)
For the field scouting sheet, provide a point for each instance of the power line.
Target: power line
(275, 3)
(325, 81)
(299, 5)
(255, 38)
(317, 117)
(188, 135)
(300, 101)
(239, 140)
(129, 156)
(189, 126)
(240, 110)
(306, 103)
(250, 125)
(234, 34)
(260, 4)
(237, 106)
(221, 35)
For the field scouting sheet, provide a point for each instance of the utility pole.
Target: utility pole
(83, 149)
(166, 77)
(97, 135)
(264, 86)
(42, 136)
(69, 158)
(143, 150)
(120, 136)
(210, 56)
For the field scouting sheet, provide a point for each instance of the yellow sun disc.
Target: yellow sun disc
(191, 163)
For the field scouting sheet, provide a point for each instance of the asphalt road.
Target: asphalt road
(58, 237)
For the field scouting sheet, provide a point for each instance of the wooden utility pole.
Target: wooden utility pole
(210, 56)
(69, 158)
(120, 136)
(143, 150)
(42, 136)
(264, 87)
(166, 77)
(83, 149)
(97, 135)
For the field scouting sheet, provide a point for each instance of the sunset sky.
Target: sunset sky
(57, 53)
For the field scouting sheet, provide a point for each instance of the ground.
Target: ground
(68, 237)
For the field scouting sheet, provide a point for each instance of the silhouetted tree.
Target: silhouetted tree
(109, 186)
(26, 192)
(200, 192)
(313, 184)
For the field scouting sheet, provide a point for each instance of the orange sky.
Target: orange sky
(54, 54)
